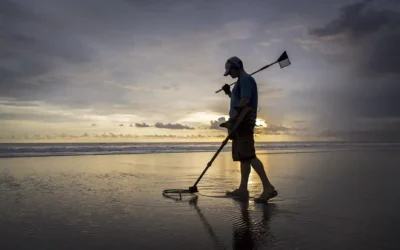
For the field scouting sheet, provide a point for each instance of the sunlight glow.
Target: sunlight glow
(202, 117)
(260, 122)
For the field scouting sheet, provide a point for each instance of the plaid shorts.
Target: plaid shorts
(243, 143)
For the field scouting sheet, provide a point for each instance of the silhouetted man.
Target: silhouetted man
(245, 94)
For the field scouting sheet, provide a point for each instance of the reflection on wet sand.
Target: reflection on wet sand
(216, 241)
(247, 233)
(250, 234)
(113, 202)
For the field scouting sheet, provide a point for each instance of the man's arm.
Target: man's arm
(243, 103)
(236, 113)
(246, 91)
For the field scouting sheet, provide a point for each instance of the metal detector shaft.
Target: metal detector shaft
(210, 162)
(239, 120)
(269, 65)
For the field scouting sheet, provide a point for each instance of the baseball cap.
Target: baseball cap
(233, 60)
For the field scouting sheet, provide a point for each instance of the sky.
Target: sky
(134, 70)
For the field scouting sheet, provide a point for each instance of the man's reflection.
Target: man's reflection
(248, 234)
(217, 243)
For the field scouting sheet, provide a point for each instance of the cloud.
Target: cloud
(307, 42)
(104, 136)
(172, 126)
(264, 44)
(172, 87)
(270, 92)
(129, 61)
(367, 34)
(269, 42)
(122, 57)
(359, 20)
(112, 63)
(142, 125)
(29, 52)
(11, 109)
(299, 121)
(215, 124)
(273, 129)
(372, 35)
(372, 135)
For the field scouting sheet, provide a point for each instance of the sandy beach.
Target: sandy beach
(327, 200)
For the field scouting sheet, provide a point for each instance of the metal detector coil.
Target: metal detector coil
(175, 193)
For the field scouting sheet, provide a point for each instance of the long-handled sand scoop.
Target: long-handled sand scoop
(193, 189)
(283, 61)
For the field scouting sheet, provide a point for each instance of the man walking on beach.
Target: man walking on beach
(245, 94)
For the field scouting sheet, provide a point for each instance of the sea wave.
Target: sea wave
(70, 149)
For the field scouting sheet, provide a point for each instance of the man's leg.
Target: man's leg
(245, 173)
(269, 190)
(259, 168)
(244, 170)
(247, 150)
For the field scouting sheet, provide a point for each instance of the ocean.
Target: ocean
(71, 149)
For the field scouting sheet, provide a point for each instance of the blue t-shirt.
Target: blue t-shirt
(245, 87)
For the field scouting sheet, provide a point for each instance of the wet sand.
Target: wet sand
(327, 200)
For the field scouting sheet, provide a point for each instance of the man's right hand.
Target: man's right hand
(227, 89)
(227, 125)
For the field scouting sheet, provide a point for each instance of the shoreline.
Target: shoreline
(261, 152)
(191, 142)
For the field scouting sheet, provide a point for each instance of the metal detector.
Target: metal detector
(193, 189)
(283, 61)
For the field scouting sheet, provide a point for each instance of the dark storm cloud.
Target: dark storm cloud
(368, 33)
(33, 45)
(14, 11)
(41, 37)
(27, 35)
(47, 42)
(144, 58)
(377, 31)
